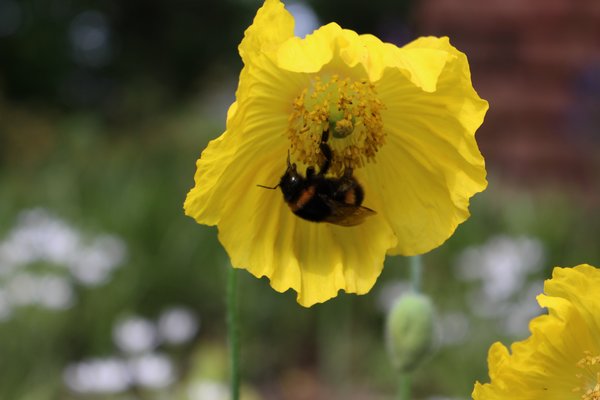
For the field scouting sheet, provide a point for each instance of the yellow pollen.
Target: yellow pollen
(349, 110)
(589, 377)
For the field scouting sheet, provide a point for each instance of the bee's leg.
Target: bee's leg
(310, 171)
(327, 153)
(325, 135)
(326, 150)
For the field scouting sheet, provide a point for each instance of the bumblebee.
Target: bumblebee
(317, 198)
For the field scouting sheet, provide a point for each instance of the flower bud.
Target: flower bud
(409, 331)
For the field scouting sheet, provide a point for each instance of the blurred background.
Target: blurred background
(107, 291)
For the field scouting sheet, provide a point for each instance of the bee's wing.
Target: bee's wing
(347, 214)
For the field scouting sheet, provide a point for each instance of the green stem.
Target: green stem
(416, 271)
(404, 386)
(233, 330)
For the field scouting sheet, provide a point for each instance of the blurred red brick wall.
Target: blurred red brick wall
(527, 59)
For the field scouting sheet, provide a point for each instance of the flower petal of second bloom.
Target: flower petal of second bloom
(580, 286)
(431, 165)
(559, 360)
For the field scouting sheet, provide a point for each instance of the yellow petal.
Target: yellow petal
(333, 49)
(314, 259)
(538, 367)
(329, 50)
(272, 25)
(261, 234)
(548, 363)
(421, 65)
(431, 165)
(256, 227)
(255, 137)
(469, 109)
(580, 286)
(419, 186)
(497, 359)
(311, 53)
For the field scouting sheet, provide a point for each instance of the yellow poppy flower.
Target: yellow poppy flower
(561, 358)
(399, 121)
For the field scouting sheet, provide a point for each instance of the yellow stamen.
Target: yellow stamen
(349, 110)
(590, 377)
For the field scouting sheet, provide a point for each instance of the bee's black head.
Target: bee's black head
(292, 183)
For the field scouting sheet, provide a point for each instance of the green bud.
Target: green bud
(409, 331)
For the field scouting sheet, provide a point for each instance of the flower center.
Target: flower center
(589, 377)
(350, 110)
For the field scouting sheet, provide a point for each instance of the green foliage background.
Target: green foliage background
(121, 161)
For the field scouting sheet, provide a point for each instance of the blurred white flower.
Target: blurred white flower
(453, 328)
(22, 289)
(177, 325)
(134, 335)
(5, 306)
(523, 310)
(40, 237)
(47, 290)
(152, 370)
(111, 375)
(207, 390)
(98, 375)
(89, 34)
(389, 293)
(54, 292)
(502, 265)
(93, 264)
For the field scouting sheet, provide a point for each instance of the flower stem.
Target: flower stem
(404, 387)
(233, 330)
(416, 272)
